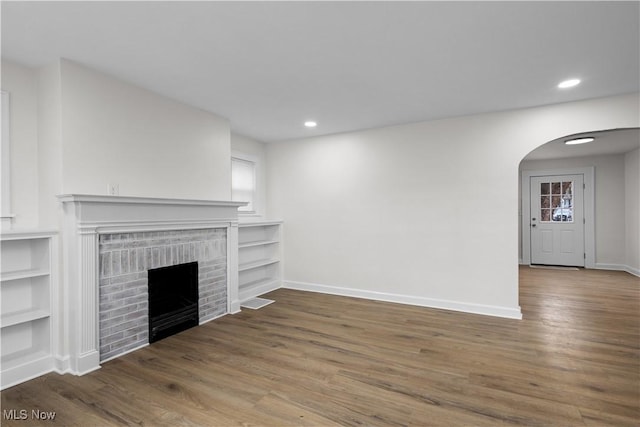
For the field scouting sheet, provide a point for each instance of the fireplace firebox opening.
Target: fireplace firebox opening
(173, 300)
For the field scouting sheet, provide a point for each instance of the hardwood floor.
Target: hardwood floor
(319, 360)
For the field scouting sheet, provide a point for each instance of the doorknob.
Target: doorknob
(533, 225)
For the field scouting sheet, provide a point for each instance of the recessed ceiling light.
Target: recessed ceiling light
(569, 83)
(310, 124)
(577, 141)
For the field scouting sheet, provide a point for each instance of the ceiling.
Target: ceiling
(269, 66)
(615, 141)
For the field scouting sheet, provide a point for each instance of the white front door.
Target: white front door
(557, 220)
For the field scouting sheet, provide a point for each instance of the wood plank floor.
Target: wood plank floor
(319, 360)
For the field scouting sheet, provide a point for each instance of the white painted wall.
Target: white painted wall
(50, 149)
(425, 213)
(75, 130)
(609, 202)
(632, 210)
(22, 84)
(256, 149)
(149, 145)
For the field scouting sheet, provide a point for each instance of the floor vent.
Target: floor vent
(256, 303)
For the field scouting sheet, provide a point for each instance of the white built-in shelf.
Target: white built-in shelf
(24, 365)
(22, 358)
(259, 224)
(23, 316)
(27, 234)
(260, 282)
(256, 264)
(260, 258)
(257, 243)
(257, 287)
(23, 274)
(28, 281)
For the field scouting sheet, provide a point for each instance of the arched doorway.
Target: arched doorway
(607, 164)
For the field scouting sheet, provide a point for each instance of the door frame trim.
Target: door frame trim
(589, 210)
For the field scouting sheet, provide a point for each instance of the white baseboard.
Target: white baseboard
(631, 270)
(618, 267)
(85, 363)
(62, 364)
(489, 310)
(26, 371)
(234, 307)
(615, 267)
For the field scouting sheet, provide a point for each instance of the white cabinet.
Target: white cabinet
(27, 285)
(259, 258)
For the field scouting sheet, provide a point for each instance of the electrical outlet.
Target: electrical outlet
(113, 189)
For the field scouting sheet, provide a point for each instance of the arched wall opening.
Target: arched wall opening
(612, 163)
(609, 162)
(529, 129)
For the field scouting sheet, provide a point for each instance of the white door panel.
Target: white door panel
(567, 240)
(547, 241)
(557, 220)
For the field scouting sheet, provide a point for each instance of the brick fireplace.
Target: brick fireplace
(126, 258)
(109, 244)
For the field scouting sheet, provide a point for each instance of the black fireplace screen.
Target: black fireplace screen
(173, 300)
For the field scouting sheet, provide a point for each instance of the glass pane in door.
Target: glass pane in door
(556, 201)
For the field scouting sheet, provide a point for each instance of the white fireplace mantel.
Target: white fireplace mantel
(122, 213)
(85, 217)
